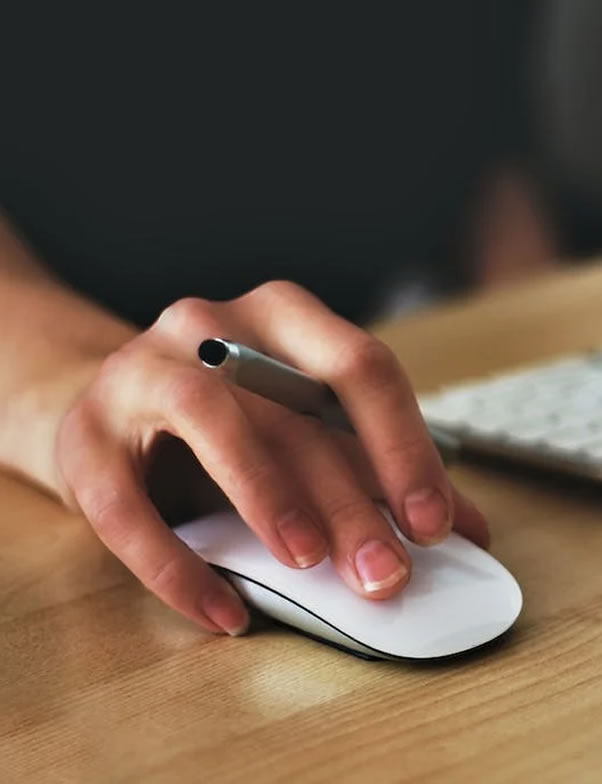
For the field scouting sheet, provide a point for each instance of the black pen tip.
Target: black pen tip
(213, 352)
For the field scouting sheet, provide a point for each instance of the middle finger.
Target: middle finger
(293, 325)
(363, 547)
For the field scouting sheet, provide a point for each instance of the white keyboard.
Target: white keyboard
(547, 414)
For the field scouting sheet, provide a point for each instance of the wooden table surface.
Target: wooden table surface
(100, 683)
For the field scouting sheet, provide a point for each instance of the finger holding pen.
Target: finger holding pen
(348, 518)
(363, 547)
(360, 542)
(375, 393)
(300, 486)
(224, 434)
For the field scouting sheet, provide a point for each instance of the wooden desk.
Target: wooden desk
(100, 683)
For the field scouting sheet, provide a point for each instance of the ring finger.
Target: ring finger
(363, 547)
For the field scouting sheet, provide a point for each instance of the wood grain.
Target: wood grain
(100, 683)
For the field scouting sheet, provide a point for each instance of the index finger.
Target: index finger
(295, 326)
(109, 493)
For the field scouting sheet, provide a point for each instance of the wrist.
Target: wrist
(33, 418)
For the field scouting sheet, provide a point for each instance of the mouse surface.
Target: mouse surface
(458, 596)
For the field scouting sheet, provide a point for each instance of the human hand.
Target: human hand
(307, 492)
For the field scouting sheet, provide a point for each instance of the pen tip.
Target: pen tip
(213, 352)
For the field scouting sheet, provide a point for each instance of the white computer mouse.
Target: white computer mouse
(458, 598)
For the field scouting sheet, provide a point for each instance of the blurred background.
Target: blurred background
(383, 159)
(537, 203)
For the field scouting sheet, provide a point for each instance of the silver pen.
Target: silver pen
(283, 384)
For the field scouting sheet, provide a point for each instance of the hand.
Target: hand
(307, 492)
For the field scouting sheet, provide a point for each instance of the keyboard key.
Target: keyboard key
(550, 409)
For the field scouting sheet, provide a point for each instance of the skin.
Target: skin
(109, 418)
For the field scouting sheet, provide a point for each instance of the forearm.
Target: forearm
(52, 342)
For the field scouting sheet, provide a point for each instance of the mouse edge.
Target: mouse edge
(335, 636)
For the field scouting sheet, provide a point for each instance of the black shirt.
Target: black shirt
(179, 152)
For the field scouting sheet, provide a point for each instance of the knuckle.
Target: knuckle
(412, 453)
(102, 506)
(252, 491)
(165, 578)
(184, 394)
(181, 313)
(121, 372)
(368, 358)
(341, 510)
(272, 289)
(252, 481)
(115, 365)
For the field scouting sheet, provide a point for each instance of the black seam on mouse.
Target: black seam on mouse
(225, 572)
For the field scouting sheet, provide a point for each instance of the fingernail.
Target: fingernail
(225, 608)
(427, 513)
(303, 539)
(379, 566)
